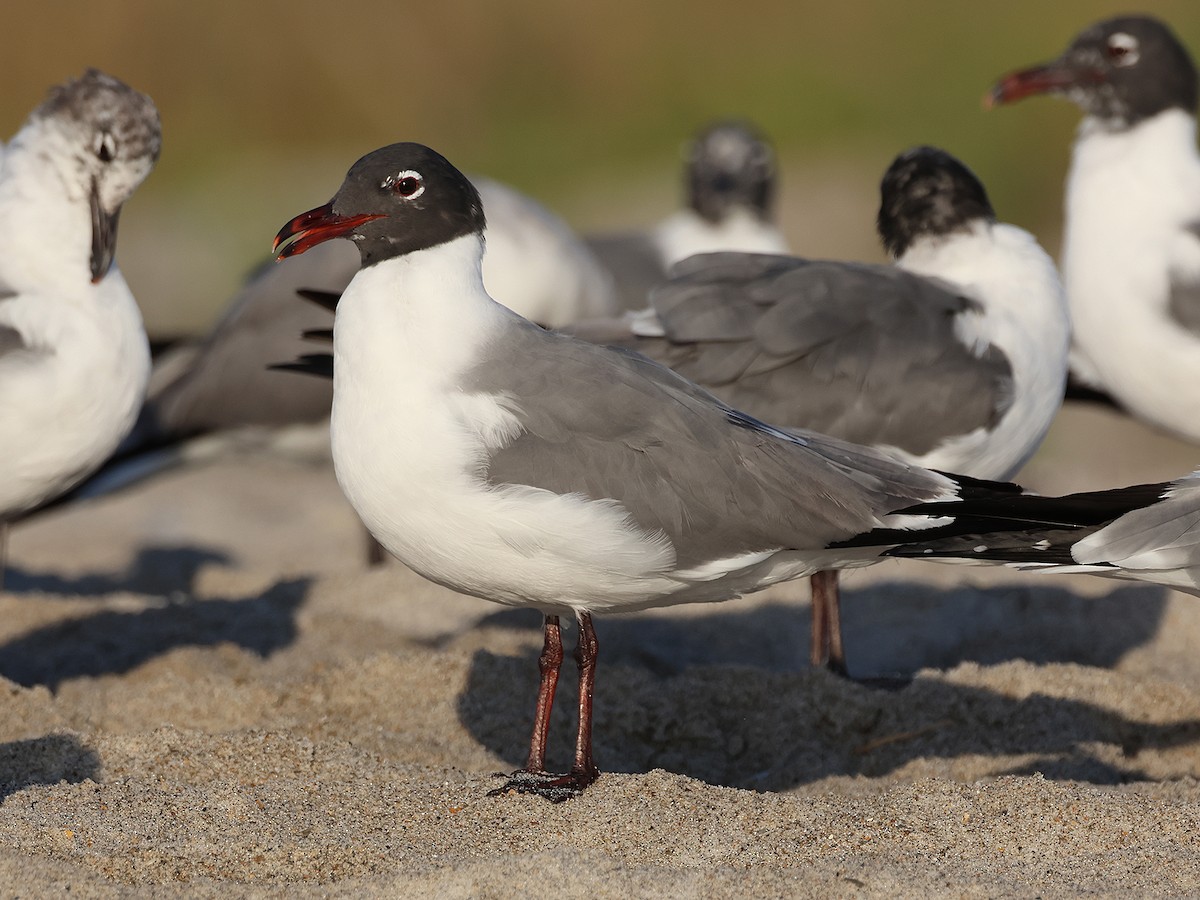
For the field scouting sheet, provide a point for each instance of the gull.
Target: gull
(530, 468)
(729, 184)
(1131, 245)
(74, 359)
(953, 358)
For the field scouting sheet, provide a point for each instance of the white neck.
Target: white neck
(45, 221)
(417, 318)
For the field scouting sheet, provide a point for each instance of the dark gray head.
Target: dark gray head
(926, 192)
(105, 137)
(730, 166)
(1122, 71)
(398, 199)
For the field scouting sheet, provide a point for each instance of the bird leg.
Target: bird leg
(586, 651)
(549, 664)
(825, 648)
(533, 778)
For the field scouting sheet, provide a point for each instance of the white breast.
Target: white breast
(1025, 316)
(1130, 197)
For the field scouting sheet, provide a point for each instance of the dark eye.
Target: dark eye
(105, 147)
(408, 185)
(1122, 49)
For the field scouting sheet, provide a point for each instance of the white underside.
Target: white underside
(63, 412)
(1130, 198)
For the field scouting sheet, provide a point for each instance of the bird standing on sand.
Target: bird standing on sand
(533, 469)
(954, 358)
(1131, 246)
(73, 353)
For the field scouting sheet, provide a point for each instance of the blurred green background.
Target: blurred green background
(584, 106)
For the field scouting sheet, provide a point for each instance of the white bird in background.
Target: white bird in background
(729, 185)
(532, 469)
(1131, 246)
(73, 353)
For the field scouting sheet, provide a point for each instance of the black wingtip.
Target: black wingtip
(317, 364)
(324, 299)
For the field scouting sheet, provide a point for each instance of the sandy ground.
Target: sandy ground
(204, 692)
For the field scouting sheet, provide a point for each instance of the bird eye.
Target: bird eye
(407, 184)
(1122, 49)
(105, 147)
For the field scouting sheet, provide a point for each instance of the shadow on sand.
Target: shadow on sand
(727, 697)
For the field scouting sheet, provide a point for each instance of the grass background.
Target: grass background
(584, 106)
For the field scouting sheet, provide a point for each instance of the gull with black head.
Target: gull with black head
(1131, 246)
(533, 469)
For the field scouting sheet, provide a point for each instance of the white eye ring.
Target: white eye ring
(1123, 49)
(407, 185)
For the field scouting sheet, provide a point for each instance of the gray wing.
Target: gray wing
(228, 384)
(1164, 535)
(717, 482)
(869, 354)
(1184, 302)
(634, 263)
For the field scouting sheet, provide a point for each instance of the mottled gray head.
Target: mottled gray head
(401, 198)
(730, 166)
(1122, 71)
(110, 136)
(926, 192)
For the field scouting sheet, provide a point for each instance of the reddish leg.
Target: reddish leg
(585, 655)
(548, 664)
(826, 649)
(534, 779)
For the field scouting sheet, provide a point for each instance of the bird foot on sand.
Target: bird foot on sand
(554, 787)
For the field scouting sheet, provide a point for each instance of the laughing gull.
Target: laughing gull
(729, 184)
(73, 353)
(954, 358)
(1131, 247)
(530, 468)
(535, 265)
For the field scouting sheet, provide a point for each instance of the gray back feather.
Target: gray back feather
(866, 353)
(633, 261)
(612, 424)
